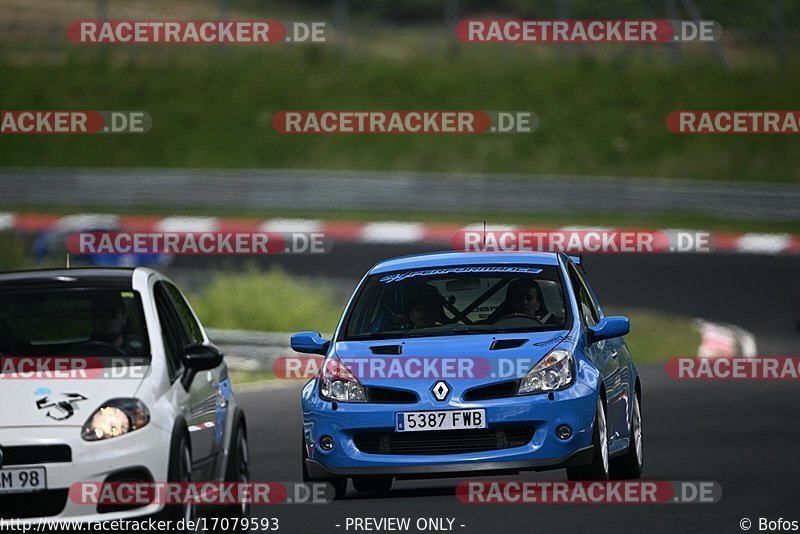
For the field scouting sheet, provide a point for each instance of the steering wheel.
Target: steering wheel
(94, 347)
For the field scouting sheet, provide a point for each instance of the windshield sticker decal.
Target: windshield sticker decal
(398, 277)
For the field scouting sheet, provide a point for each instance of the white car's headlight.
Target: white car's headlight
(555, 371)
(338, 383)
(115, 418)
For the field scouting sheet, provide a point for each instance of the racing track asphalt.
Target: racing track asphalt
(743, 435)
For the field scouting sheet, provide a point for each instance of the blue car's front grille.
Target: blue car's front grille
(498, 390)
(391, 396)
(443, 441)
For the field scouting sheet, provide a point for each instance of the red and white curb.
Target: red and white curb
(378, 232)
(724, 340)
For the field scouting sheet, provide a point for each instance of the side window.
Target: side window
(587, 308)
(172, 333)
(186, 316)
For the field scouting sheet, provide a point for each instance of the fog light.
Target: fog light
(326, 443)
(563, 432)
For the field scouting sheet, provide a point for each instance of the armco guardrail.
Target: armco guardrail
(247, 350)
(308, 190)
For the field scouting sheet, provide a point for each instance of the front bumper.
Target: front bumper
(573, 406)
(579, 457)
(146, 450)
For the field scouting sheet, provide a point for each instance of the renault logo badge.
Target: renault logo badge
(440, 390)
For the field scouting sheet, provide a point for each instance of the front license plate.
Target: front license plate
(22, 479)
(444, 420)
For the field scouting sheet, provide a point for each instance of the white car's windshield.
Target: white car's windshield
(458, 300)
(76, 321)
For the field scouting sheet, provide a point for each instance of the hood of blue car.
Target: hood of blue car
(468, 359)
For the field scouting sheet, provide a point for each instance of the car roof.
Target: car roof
(447, 259)
(103, 277)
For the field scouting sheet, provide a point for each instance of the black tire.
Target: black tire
(630, 466)
(372, 484)
(180, 470)
(238, 469)
(599, 468)
(339, 483)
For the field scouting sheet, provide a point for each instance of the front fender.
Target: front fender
(587, 372)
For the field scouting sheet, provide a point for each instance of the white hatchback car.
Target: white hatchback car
(159, 406)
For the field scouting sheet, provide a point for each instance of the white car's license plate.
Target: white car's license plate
(444, 420)
(22, 479)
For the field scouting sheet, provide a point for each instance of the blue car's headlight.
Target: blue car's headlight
(337, 383)
(555, 371)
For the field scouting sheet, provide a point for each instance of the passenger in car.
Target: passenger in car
(524, 296)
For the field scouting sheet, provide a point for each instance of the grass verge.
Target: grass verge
(656, 336)
(596, 117)
(15, 253)
(251, 377)
(271, 301)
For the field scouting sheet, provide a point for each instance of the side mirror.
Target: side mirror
(197, 358)
(310, 343)
(609, 327)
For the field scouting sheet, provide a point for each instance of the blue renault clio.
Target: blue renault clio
(466, 364)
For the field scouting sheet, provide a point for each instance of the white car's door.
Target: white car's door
(200, 410)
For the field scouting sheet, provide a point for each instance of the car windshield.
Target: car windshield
(458, 300)
(98, 322)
